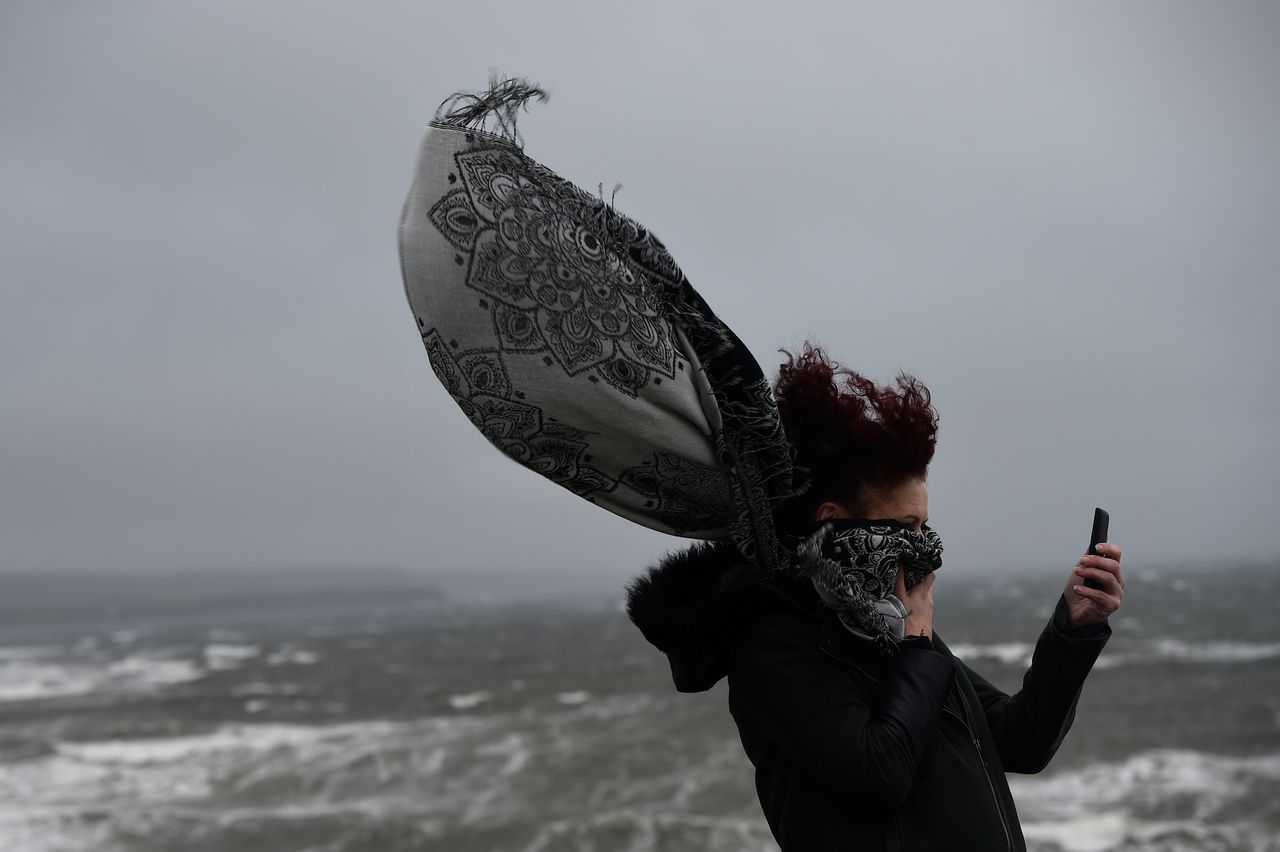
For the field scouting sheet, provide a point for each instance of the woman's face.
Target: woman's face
(907, 503)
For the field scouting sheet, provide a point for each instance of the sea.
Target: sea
(374, 711)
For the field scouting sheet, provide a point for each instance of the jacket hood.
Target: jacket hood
(692, 604)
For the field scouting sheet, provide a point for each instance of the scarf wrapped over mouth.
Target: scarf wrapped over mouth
(853, 564)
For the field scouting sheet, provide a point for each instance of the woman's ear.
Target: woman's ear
(828, 510)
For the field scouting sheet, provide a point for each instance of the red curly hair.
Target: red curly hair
(853, 436)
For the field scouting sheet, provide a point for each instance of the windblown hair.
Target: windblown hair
(852, 436)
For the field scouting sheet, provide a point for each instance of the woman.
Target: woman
(864, 730)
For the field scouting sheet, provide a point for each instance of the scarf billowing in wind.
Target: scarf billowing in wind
(569, 336)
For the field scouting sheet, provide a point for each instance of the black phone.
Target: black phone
(1100, 522)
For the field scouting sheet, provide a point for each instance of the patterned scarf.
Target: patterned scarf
(571, 339)
(853, 564)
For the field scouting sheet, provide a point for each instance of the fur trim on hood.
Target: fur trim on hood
(692, 604)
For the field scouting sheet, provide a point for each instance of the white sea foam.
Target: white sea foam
(577, 696)
(27, 675)
(233, 739)
(28, 671)
(512, 748)
(1118, 831)
(289, 655)
(1147, 796)
(465, 701)
(1157, 650)
(1084, 834)
(23, 681)
(1215, 652)
(368, 768)
(631, 830)
(1160, 799)
(1009, 653)
(222, 655)
(143, 670)
(258, 688)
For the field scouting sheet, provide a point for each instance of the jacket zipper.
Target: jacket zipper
(964, 703)
(973, 736)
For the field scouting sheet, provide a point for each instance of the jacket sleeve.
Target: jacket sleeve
(1031, 724)
(863, 743)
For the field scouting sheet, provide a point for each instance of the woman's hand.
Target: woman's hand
(1090, 606)
(919, 604)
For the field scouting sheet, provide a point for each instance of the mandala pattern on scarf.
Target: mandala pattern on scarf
(477, 380)
(534, 243)
(685, 494)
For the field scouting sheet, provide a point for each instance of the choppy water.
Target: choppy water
(384, 718)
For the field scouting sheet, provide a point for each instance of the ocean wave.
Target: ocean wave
(1156, 799)
(290, 655)
(457, 772)
(259, 688)
(1215, 652)
(1009, 653)
(251, 772)
(629, 829)
(467, 700)
(1116, 833)
(579, 776)
(35, 673)
(224, 655)
(1145, 652)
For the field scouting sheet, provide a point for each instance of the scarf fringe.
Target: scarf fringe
(501, 101)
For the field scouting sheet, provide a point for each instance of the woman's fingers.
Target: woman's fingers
(1108, 559)
(920, 591)
(1107, 603)
(1104, 563)
(1110, 582)
(1108, 549)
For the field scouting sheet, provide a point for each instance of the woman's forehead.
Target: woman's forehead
(907, 498)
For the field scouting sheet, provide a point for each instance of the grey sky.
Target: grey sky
(1065, 219)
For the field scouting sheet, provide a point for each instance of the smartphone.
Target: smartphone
(1100, 521)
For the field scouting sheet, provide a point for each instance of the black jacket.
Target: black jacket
(853, 751)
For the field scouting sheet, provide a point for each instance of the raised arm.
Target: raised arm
(1031, 724)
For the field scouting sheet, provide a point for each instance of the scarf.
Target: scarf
(570, 338)
(853, 565)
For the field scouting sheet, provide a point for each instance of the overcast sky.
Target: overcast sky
(1065, 219)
